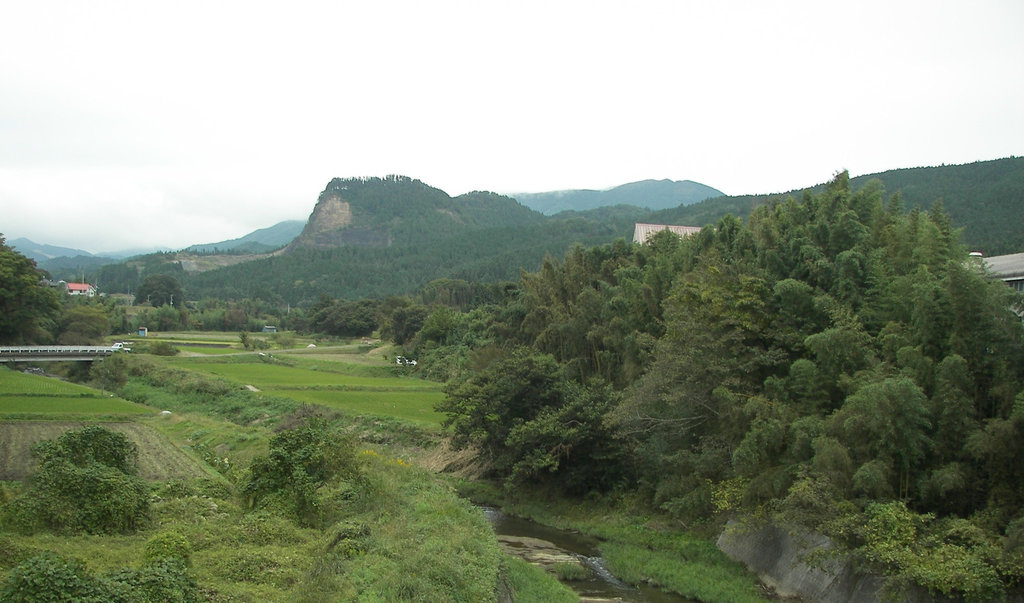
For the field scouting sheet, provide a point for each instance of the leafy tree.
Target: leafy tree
(404, 322)
(513, 388)
(160, 290)
(111, 373)
(84, 324)
(345, 318)
(28, 310)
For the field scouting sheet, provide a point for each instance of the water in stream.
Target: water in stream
(601, 584)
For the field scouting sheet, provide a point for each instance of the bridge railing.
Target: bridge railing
(29, 353)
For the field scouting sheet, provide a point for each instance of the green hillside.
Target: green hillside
(985, 199)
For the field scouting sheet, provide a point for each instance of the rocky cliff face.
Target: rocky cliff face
(330, 225)
(397, 210)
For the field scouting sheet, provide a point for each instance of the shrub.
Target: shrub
(301, 461)
(50, 577)
(85, 482)
(163, 581)
(162, 348)
(167, 545)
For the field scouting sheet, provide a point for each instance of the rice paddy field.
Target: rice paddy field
(348, 379)
(25, 394)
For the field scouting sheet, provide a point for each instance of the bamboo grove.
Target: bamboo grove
(833, 362)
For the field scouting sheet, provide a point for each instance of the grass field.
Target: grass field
(353, 388)
(57, 405)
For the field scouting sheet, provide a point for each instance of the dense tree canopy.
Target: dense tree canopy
(828, 355)
(28, 310)
(160, 290)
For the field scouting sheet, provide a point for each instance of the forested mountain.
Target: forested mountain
(383, 236)
(400, 211)
(302, 275)
(41, 251)
(646, 194)
(985, 198)
(833, 363)
(258, 241)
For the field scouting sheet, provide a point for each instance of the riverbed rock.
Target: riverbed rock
(537, 551)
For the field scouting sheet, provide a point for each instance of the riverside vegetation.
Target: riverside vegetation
(833, 363)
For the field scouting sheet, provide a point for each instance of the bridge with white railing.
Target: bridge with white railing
(54, 353)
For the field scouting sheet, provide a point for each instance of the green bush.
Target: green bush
(163, 581)
(162, 348)
(85, 482)
(50, 577)
(167, 545)
(301, 461)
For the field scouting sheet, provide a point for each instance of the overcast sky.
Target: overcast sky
(141, 124)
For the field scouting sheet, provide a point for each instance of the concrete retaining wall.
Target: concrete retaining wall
(777, 557)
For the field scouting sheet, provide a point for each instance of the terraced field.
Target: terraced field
(27, 401)
(159, 458)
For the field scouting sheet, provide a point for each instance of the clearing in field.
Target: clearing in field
(159, 459)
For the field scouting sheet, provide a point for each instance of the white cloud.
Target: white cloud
(204, 121)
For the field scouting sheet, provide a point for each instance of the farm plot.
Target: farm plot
(267, 376)
(159, 459)
(415, 406)
(22, 394)
(404, 398)
(15, 382)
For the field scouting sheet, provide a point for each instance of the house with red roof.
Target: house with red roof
(81, 289)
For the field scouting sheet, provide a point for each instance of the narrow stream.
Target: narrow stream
(600, 584)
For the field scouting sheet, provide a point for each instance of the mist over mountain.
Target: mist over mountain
(41, 251)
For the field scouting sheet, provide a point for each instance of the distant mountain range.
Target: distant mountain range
(646, 194)
(259, 241)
